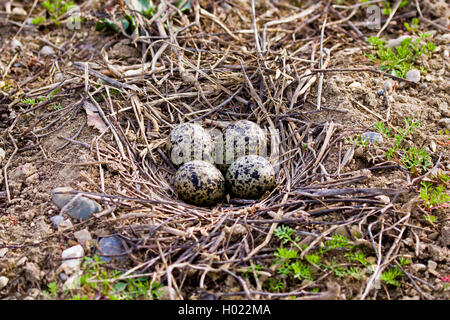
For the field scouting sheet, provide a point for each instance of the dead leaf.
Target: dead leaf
(93, 117)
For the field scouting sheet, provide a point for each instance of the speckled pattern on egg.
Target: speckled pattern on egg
(249, 177)
(243, 138)
(200, 183)
(189, 141)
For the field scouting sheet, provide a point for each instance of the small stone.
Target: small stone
(80, 208)
(64, 225)
(437, 253)
(419, 267)
(169, 294)
(22, 172)
(63, 276)
(21, 261)
(432, 265)
(3, 282)
(73, 282)
(355, 85)
(72, 259)
(32, 272)
(445, 123)
(445, 236)
(2, 155)
(3, 251)
(57, 220)
(413, 75)
(47, 51)
(393, 43)
(388, 86)
(373, 137)
(111, 246)
(82, 236)
(433, 146)
(445, 54)
(16, 45)
(19, 11)
(342, 231)
(433, 236)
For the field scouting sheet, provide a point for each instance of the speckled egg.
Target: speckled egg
(189, 141)
(200, 183)
(249, 177)
(242, 138)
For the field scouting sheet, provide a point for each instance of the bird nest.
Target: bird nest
(198, 70)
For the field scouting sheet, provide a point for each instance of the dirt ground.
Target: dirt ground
(31, 246)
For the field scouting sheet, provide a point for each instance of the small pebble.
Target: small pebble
(16, 45)
(373, 137)
(413, 75)
(3, 282)
(63, 276)
(64, 225)
(57, 220)
(47, 51)
(388, 86)
(2, 155)
(82, 236)
(354, 85)
(19, 11)
(433, 146)
(81, 208)
(21, 261)
(445, 236)
(110, 246)
(72, 259)
(432, 265)
(419, 267)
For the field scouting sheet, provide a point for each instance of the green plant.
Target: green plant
(432, 195)
(337, 242)
(357, 256)
(389, 276)
(387, 7)
(430, 218)
(254, 268)
(381, 128)
(398, 61)
(301, 271)
(415, 159)
(274, 285)
(404, 261)
(106, 283)
(413, 27)
(52, 290)
(55, 9)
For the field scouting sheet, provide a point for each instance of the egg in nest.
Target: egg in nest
(200, 183)
(242, 138)
(188, 142)
(249, 177)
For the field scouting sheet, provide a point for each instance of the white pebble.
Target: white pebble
(72, 259)
(47, 51)
(413, 75)
(354, 85)
(2, 155)
(3, 282)
(16, 45)
(388, 86)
